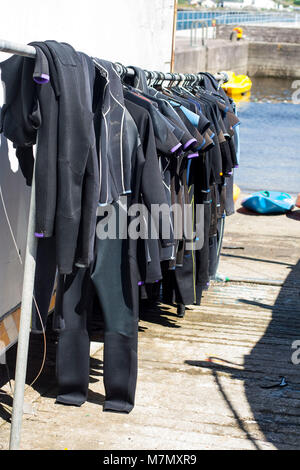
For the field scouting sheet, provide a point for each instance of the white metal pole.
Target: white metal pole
(24, 329)
(27, 293)
(16, 48)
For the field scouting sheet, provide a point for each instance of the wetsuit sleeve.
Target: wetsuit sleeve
(41, 72)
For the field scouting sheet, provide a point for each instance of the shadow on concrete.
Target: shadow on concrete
(250, 258)
(275, 407)
(159, 314)
(6, 402)
(271, 378)
(243, 210)
(295, 215)
(46, 384)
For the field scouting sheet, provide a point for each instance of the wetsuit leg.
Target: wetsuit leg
(111, 277)
(73, 349)
(43, 282)
(202, 258)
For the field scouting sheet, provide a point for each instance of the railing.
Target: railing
(185, 19)
(194, 30)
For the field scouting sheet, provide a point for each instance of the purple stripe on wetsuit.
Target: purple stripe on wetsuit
(188, 143)
(38, 235)
(176, 148)
(193, 155)
(41, 79)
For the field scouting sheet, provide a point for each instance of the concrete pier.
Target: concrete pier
(266, 59)
(263, 33)
(264, 51)
(216, 55)
(221, 378)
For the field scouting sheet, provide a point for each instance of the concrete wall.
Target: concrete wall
(134, 32)
(214, 57)
(274, 60)
(262, 33)
(190, 59)
(227, 57)
(265, 59)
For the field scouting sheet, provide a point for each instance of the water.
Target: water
(270, 138)
(275, 90)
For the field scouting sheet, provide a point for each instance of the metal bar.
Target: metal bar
(204, 32)
(16, 48)
(245, 280)
(265, 282)
(24, 329)
(173, 36)
(29, 51)
(27, 292)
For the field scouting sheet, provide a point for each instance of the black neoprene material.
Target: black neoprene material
(120, 320)
(73, 348)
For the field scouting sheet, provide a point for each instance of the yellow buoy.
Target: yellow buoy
(237, 84)
(236, 192)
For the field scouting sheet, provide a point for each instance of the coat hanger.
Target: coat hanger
(150, 78)
(159, 85)
(172, 81)
(180, 81)
(185, 87)
(122, 70)
(158, 80)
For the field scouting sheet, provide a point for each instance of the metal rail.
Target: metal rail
(185, 18)
(29, 51)
(204, 32)
(24, 328)
(16, 48)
